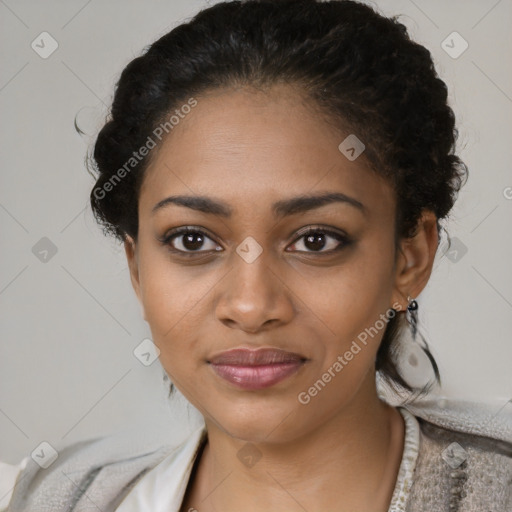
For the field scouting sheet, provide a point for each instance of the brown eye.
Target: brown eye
(189, 240)
(320, 240)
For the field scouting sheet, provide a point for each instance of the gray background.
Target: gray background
(69, 324)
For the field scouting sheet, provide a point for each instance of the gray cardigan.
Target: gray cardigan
(96, 474)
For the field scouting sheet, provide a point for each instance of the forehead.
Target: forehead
(248, 146)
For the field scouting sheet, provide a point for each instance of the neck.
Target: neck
(349, 462)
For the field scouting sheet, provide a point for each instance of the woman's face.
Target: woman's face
(254, 279)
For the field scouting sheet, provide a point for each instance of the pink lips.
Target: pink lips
(256, 369)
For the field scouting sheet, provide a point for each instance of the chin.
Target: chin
(257, 421)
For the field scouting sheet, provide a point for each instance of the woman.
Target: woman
(277, 173)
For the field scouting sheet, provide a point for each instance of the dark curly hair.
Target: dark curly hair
(360, 70)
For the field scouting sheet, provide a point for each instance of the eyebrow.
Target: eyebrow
(281, 208)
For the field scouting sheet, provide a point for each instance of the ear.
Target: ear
(130, 248)
(415, 259)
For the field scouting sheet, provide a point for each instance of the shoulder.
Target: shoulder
(460, 470)
(18, 480)
(96, 469)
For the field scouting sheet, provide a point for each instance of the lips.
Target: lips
(256, 369)
(262, 356)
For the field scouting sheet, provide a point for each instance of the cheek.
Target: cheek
(355, 305)
(176, 306)
(164, 296)
(359, 292)
(358, 323)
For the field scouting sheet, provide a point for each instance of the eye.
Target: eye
(189, 240)
(316, 239)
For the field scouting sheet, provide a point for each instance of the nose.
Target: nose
(253, 296)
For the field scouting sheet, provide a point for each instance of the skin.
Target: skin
(249, 149)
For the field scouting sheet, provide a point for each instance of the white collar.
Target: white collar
(162, 489)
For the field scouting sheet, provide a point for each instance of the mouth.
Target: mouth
(256, 369)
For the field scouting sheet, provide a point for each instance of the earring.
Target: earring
(412, 316)
(413, 355)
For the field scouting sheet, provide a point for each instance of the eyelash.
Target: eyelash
(166, 240)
